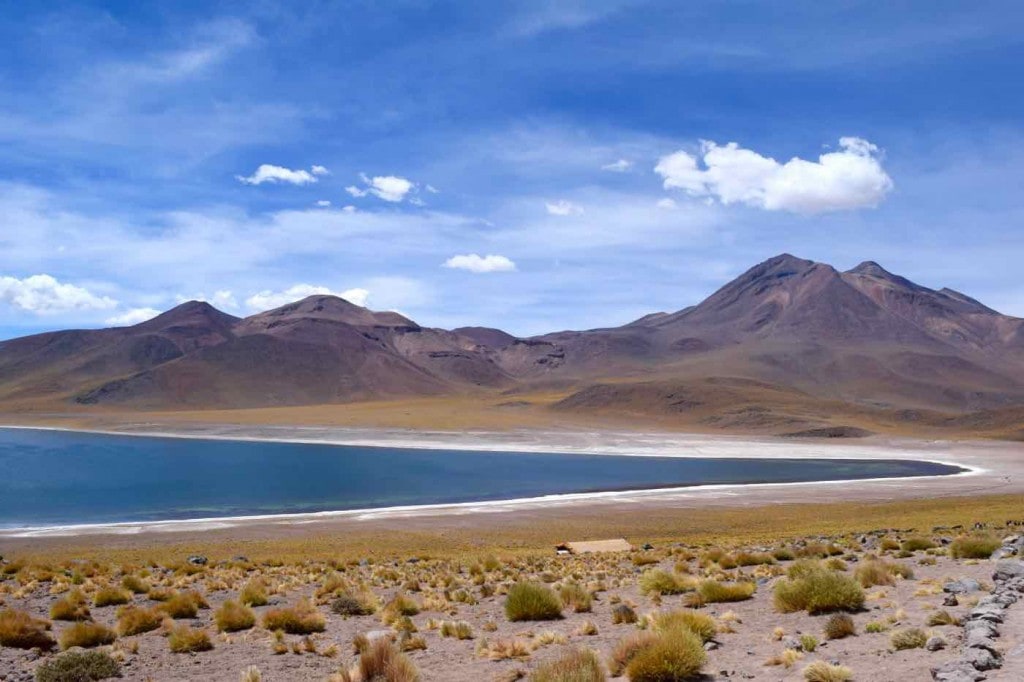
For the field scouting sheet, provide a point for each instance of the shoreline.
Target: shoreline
(578, 442)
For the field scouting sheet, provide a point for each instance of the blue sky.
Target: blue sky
(529, 165)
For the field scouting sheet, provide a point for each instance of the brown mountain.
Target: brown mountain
(788, 332)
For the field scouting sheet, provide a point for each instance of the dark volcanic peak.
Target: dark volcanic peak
(964, 298)
(333, 308)
(188, 314)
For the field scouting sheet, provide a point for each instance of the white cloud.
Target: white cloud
(479, 264)
(667, 203)
(266, 300)
(43, 294)
(220, 299)
(323, 203)
(275, 174)
(563, 207)
(349, 209)
(391, 188)
(838, 181)
(132, 317)
(620, 166)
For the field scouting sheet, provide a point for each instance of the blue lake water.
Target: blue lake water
(58, 478)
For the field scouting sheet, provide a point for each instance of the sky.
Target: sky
(533, 165)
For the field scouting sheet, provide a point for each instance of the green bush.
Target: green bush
(698, 623)
(532, 601)
(78, 666)
(973, 547)
(576, 666)
(669, 657)
(657, 581)
(711, 591)
(818, 590)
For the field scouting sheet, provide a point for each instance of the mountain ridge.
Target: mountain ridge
(787, 327)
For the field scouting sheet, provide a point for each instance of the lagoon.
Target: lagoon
(55, 478)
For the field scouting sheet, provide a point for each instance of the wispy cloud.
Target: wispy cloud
(480, 264)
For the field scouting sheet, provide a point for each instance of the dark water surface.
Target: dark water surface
(58, 478)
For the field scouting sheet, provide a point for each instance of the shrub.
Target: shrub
(875, 626)
(626, 649)
(254, 594)
(457, 629)
(878, 572)
(86, 635)
(576, 597)
(71, 607)
(621, 613)
(754, 559)
(711, 591)
(532, 601)
(908, 638)
(576, 666)
(657, 581)
(78, 666)
(671, 656)
(111, 596)
(21, 631)
(973, 547)
(346, 604)
(399, 606)
(134, 584)
(185, 640)
(941, 618)
(820, 671)
(839, 625)
(233, 617)
(783, 554)
(382, 661)
(916, 544)
(808, 643)
(302, 619)
(184, 605)
(699, 624)
(818, 590)
(134, 620)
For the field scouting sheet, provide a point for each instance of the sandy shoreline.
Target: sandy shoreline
(990, 467)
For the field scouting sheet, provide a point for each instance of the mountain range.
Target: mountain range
(785, 344)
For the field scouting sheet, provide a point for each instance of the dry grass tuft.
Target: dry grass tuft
(974, 547)
(234, 617)
(184, 640)
(134, 620)
(382, 662)
(86, 635)
(817, 590)
(19, 630)
(839, 625)
(301, 619)
(820, 671)
(908, 638)
(71, 607)
(675, 655)
(579, 665)
(532, 601)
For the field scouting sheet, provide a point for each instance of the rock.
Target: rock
(956, 671)
(951, 600)
(198, 560)
(962, 586)
(983, 626)
(982, 659)
(373, 635)
(791, 642)
(935, 644)
(710, 645)
(1008, 569)
(976, 639)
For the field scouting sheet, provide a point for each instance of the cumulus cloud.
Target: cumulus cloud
(842, 180)
(667, 203)
(620, 166)
(323, 203)
(279, 174)
(266, 300)
(479, 264)
(43, 294)
(391, 188)
(563, 207)
(132, 317)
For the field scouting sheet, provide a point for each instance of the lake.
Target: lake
(50, 478)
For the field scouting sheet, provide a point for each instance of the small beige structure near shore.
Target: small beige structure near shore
(594, 546)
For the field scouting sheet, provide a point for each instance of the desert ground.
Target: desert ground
(424, 577)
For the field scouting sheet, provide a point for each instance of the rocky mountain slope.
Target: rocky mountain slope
(786, 331)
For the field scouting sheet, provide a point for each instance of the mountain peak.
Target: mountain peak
(189, 313)
(335, 308)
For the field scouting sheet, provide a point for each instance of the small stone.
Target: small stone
(951, 600)
(962, 586)
(198, 560)
(710, 645)
(790, 642)
(935, 644)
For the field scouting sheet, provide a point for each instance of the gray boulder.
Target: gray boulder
(962, 586)
(1008, 569)
(956, 671)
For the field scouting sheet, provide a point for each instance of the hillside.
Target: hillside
(783, 345)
